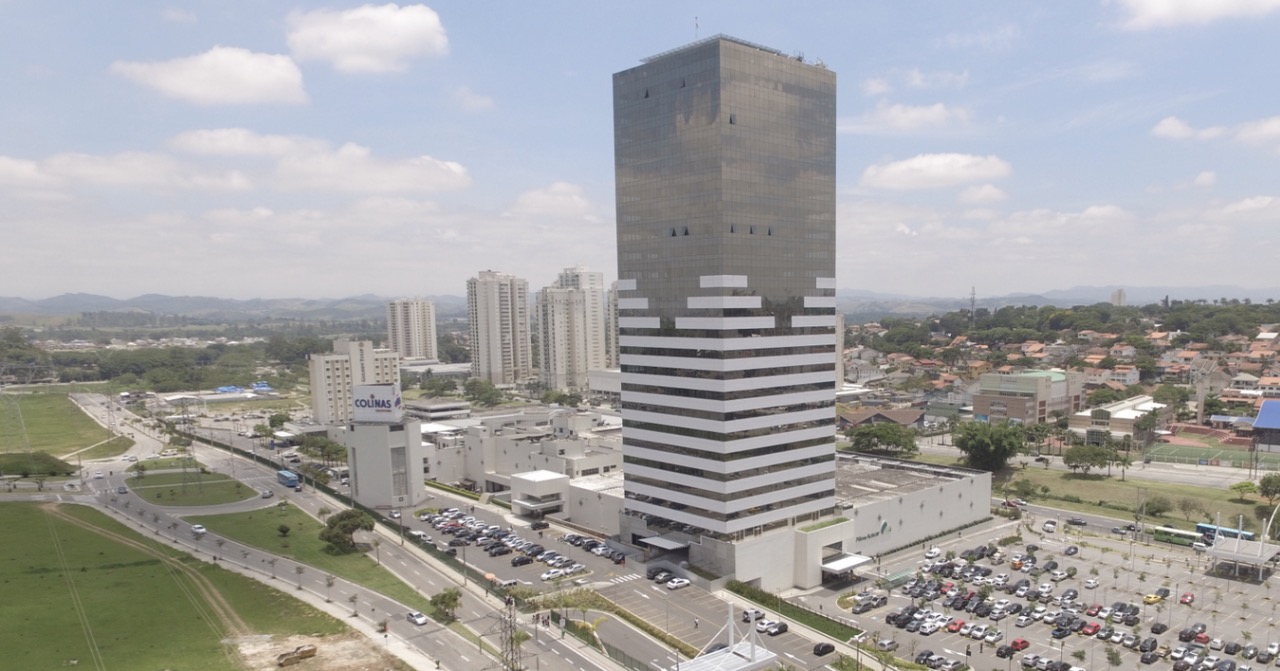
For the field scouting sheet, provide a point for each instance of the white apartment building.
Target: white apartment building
(353, 362)
(498, 311)
(611, 327)
(571, 329)
(411, 328)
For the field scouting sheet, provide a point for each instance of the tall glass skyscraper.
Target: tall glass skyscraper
(725, 158)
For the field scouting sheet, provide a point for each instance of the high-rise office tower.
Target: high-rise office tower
(611, 327)
(411, 328)
(333, 377)
(498, 310)
(571, 323)
(725, 169)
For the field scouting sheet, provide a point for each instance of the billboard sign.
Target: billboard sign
(377, 404)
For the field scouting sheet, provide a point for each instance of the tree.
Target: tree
(277, 420)
(446, 602)
(1244, 488)
(339, 529)
(988, 446)
(884, 437)
(1158, 505)
(1085, 457)
(1269, 487)
(1188, 506)
(284, 530)
(482, 392)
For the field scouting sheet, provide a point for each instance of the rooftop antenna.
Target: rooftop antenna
(695, 28)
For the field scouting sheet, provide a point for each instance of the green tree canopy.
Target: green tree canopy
(482, 392)
(1086, 457)
(339, 528)
(446, 602)
(988, 446)
(1269, 487)
(884, 437)
(1244, 488)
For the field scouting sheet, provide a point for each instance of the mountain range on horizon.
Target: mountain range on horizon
(369, 306)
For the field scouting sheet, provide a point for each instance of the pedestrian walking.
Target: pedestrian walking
(695, 623)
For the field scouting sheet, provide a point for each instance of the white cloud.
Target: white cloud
(999, 38)
(986, 193)
(1176, 129)
(875, 86)
(175, 15)
(893, 118)
(22, 174)
(1260, 131)
(470, 100)
(221, 76)
(243, 142)
(368, 38)
(1248, 205)
(353, 168)
(140, 169)
(930, 171)
(917, 79)
(561, 199)
(1205, 178)
(1145, 14)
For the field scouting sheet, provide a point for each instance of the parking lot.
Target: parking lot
(1108, 572)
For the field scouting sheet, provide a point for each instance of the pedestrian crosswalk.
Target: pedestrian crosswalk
(624, 578)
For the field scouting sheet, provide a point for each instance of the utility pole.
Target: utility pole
(511, 657)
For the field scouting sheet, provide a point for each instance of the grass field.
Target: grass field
(259, 529)
(1214, 453)
(164, 464)
(53, 424)
(73, 593)
(166, 489)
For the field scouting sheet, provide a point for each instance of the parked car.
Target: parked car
(677, 583)
(777, 628)
(521, 560)
(752, 614)
(416, 618)
(820, 649)
(539, 525)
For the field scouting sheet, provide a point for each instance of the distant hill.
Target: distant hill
(224, 309)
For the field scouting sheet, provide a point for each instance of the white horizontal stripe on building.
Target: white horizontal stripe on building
(723, 281)
(733, 526)
(825, 283)
(630, 285)
(639, 322)
(772, 459)
(819, 301)
(724, 323)
(740, 485)
(736, 405)
(723, 302)
(808, 321)
(725, 365)
(728, 447)
(781, 419)
(728, 344)
(713, 385)
(634, 304)
(734, 505)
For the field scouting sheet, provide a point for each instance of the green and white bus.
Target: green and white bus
(1175, 536)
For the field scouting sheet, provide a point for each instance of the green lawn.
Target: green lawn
(166, 489)
(260, 529)
(53, 424)
(69, 591)
(112, 448)
(164, 464)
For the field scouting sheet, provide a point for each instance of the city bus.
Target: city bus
(287, 478)
(1210, 531)
(1176, 536)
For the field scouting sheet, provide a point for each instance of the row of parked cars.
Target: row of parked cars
(671, 580)
(596, 547)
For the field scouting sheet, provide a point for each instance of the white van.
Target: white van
(1050, 526)
(1058, 576)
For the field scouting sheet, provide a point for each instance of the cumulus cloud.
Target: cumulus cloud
(1248, 205)
(875, 86)
(1147, 14)
(917, 79)
(470, 100)
(175, 15)
(560, 199)
(1000, 38)
(243, 142)
(353, 168)
(220, 76)
(986, 193)
(1174, 128)
(931, 171)
(1205, 178)
(894, 118)
(19, 173)
(1260, 131)
(369, 38)
(140, 169)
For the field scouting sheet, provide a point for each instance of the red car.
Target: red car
(946, 589)
(1202, 638)
(1093, 610)
(1019, 644)
(955, 626)
(1188, 598)
(1090, 629)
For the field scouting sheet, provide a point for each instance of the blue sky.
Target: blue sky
(265, 149)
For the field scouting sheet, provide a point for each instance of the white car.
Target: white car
(416, 618)
(762, 626)
(1091, 583)
(99, 475)
(933, 552)
(677, 583)
(1273, 648)
(552, 574)
(198, 529)
(1022, 621)
(993, 636)
(978, 632)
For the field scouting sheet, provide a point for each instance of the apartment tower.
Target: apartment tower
(571, 329)
(725, 170)
(498, 311)
(411, 328)
(333, 376)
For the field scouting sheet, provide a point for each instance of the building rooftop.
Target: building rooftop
(541, 476)
(861, 480)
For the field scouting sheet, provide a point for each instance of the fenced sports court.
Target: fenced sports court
(1207, 446)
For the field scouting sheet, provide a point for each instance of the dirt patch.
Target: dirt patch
(342, 652)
